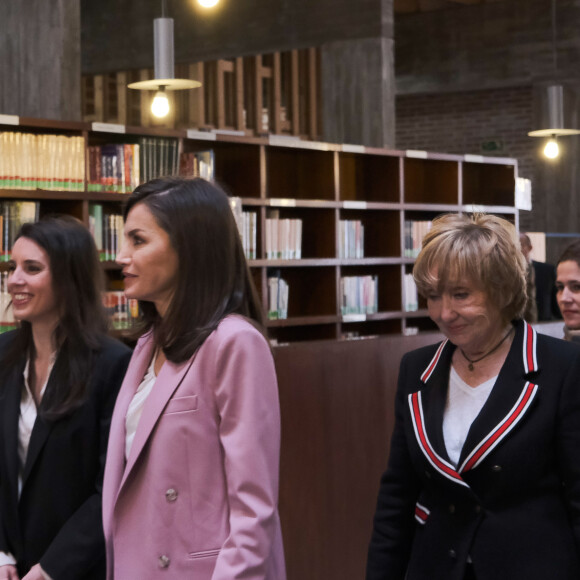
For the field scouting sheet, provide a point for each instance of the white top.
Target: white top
(28, 414)
(462, 407)
(135, 409)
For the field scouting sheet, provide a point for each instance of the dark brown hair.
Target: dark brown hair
(77, 281)
(571, 253)
(213, 278)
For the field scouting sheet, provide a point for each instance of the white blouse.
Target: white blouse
(463, 405)
(136, 406)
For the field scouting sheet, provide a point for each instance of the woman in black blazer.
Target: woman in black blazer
(59, 378)
(483, 479)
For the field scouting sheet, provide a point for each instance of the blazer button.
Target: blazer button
(452, 554)
(164, 561)
(477, 509)
(496, 468)
(171, 495)
(451, 508)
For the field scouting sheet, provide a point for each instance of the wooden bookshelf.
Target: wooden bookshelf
(320, 184)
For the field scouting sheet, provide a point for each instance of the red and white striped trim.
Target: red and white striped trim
(431, 366)
(421, 513)
(443, 467)
(502, 429)
(529, 352)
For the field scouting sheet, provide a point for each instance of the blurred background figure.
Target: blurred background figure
(541, 280)
(568, 290)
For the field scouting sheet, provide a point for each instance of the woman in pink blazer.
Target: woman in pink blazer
(191, 479)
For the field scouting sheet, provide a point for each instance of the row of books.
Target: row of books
(351, 239)
(198, 164)
(12, 215)
(52, 162)
(414, 233)
(359, 294)
(114, 168)
(283, 240)
(123, 312)
(277, 297)
(410, 293)
(107, 230)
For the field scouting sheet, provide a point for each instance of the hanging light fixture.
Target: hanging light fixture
(553, 112)
(164, 67)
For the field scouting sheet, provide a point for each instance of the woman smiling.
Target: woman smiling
(483, 478)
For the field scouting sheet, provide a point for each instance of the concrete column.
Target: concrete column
(358, 87)
(40, 59)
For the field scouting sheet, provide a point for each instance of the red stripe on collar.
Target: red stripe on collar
(442, 466)
(431, 366)
(529, 350)
(502, 429)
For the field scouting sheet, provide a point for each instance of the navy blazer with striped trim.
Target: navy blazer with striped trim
(512, 504)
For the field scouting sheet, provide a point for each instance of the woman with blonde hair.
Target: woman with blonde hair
(483, 479)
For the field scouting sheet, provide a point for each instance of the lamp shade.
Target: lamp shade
(164, 59)
(552, 120)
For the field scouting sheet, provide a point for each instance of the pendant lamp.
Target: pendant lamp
(164, 67)
(553, 120)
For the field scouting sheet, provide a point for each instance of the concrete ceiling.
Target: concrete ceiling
(410, 6)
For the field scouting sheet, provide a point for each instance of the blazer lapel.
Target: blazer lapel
(427, 406)
(115, 467)
(510, 399)
(11, 414)
(167, 382)
(40, 433)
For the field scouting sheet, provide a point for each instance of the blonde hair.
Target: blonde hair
(484, 249)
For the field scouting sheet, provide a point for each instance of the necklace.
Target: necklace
(473, 361)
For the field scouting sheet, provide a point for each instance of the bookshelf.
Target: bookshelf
(319, 184)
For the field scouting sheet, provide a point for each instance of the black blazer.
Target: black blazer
(513, 504)
(57, 521)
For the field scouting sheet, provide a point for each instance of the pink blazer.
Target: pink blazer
(198, 495)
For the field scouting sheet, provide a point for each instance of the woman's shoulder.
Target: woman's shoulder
(6, 339)
(235, 329)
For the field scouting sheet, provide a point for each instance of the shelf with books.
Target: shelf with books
(388, 291)
(235, 166)
(318, 184)
(381, 231)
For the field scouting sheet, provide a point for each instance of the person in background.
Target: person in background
(541, 278)
(191, 481)
(483, 478)
(568, 290)
(59, 378)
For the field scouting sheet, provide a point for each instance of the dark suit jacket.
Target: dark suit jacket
(513, 502)
(57, 521)
(545, 278)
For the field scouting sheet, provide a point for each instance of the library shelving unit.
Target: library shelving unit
(319, 183)
(336, 396)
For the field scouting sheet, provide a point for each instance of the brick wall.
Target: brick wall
(461, 122)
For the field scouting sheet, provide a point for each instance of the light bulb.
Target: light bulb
(208, 3)
(160, 104)
(551, 150)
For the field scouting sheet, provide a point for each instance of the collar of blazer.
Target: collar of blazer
(11, 416)
(171, 376)
(507, 404)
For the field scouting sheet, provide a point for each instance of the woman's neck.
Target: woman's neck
(43, 336)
